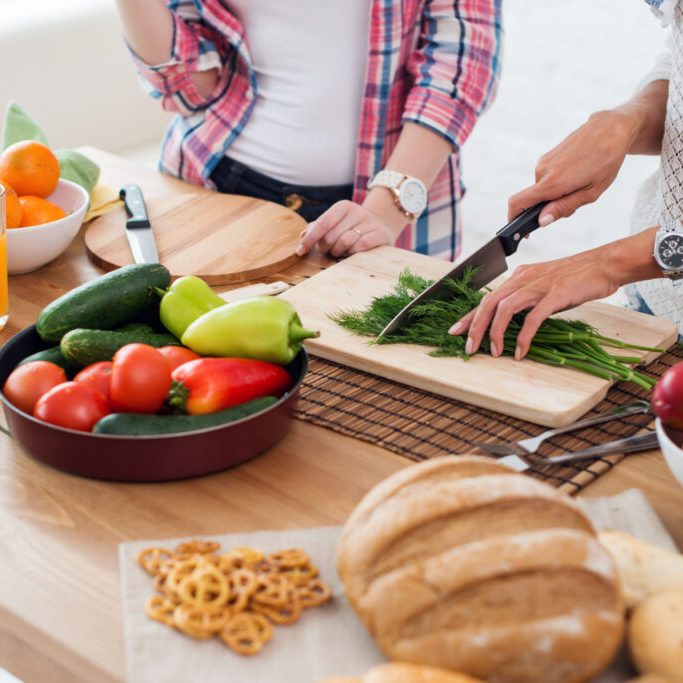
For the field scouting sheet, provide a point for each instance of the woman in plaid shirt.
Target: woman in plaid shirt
(427, 70)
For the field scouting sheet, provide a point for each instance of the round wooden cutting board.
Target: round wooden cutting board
(221, 238)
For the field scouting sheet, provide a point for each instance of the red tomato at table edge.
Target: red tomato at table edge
(73, 405)
(140, 379)
(667, 397)
(29, 381)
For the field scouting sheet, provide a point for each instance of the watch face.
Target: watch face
(670, 252)
(413, 196)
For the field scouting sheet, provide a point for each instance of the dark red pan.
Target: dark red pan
(144, 458)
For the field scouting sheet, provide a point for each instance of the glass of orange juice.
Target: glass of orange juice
(4, 295)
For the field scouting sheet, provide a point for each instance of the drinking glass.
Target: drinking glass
(4, 296)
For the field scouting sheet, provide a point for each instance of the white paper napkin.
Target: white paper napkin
(326, 641)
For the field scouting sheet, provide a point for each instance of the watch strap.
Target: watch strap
(387, 178)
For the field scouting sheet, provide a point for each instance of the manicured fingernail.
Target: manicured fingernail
(469, 346)
(494, 350)
(546, 219)
(518, 353)
(300, 250)
(303, 232)
(455, 330)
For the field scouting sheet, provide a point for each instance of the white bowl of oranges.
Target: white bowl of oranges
(43, 211)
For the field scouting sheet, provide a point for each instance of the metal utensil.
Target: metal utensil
(138, 228)
(490, 261)
(631, 444)
(532, 444)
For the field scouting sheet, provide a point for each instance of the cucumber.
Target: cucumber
(53, 355)
(136, 424)
(82, 347)
(104, 303)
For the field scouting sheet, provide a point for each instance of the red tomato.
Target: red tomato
(73, 405)
(140, 379)
(667, 397)
(177, 355)
(97, 376)
(28, 382)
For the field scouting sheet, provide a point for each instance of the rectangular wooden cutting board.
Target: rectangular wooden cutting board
(531, 391)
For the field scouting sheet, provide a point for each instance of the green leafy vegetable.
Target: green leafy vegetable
(570, 343)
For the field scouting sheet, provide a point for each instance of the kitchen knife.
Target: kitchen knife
(490, 261)
(138, 228)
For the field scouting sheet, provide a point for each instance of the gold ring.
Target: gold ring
(357, 231)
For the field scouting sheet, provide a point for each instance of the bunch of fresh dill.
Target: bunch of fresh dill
(570, 343)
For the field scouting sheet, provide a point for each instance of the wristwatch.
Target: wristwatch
(668, 251)
(410, 194)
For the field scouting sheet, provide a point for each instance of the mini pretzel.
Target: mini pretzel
(150, 559)
(289, 559)
(247, 555)
(178, 572)
(246, 633)
(300, 576)
(313, 593)
(199, 623)
(160, 608)
(205, 588)
(273, 590)
(243, 583)
(197, 546)
(282, 614)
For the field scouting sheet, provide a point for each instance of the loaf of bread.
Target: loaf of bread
(644, 569)
(401, 672)
(648, 678)
(655, 635)
(463, 564)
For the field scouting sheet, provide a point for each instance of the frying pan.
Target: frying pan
(144, 458)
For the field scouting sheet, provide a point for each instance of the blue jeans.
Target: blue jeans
(308, 201)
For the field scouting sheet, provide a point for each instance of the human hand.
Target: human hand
(543, 289)
(344, 229)
(580, 168)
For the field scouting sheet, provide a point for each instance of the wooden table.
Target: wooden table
(60, 608)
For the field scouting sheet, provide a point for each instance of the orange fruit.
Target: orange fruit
(12, 206)
(30, 167)
(36, 211)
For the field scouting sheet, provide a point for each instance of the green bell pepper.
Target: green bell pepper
(187, 299)
(262, 327)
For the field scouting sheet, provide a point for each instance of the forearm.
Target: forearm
(419, 152)
(645, 113)
(631, 259)
(148, 29)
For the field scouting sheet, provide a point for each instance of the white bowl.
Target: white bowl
(672, 452)
(32, 247)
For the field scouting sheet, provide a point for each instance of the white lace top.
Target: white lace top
(661, 196)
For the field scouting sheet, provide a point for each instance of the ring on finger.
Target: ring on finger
(357, 231)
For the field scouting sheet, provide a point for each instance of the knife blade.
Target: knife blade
(490, 261)
(138, 228)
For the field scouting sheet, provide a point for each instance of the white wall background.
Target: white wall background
(563, 60)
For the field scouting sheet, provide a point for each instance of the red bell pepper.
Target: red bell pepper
(211, 384)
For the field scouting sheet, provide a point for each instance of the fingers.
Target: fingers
(369, 240)
(506, 309)
(320, 227)
(534, 319)
(527, 198)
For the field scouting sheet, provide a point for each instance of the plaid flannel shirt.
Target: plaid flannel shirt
(432, 62)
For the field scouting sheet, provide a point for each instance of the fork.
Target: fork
(532, 444)
(630, 444)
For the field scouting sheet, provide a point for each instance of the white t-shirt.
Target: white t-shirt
(309, 57)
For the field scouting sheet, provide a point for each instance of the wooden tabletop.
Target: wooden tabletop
(60, 607)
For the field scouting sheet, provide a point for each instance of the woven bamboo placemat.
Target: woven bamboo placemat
(419, 425)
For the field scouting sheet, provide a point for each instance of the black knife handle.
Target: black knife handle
(527, 221)
(135, 206)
